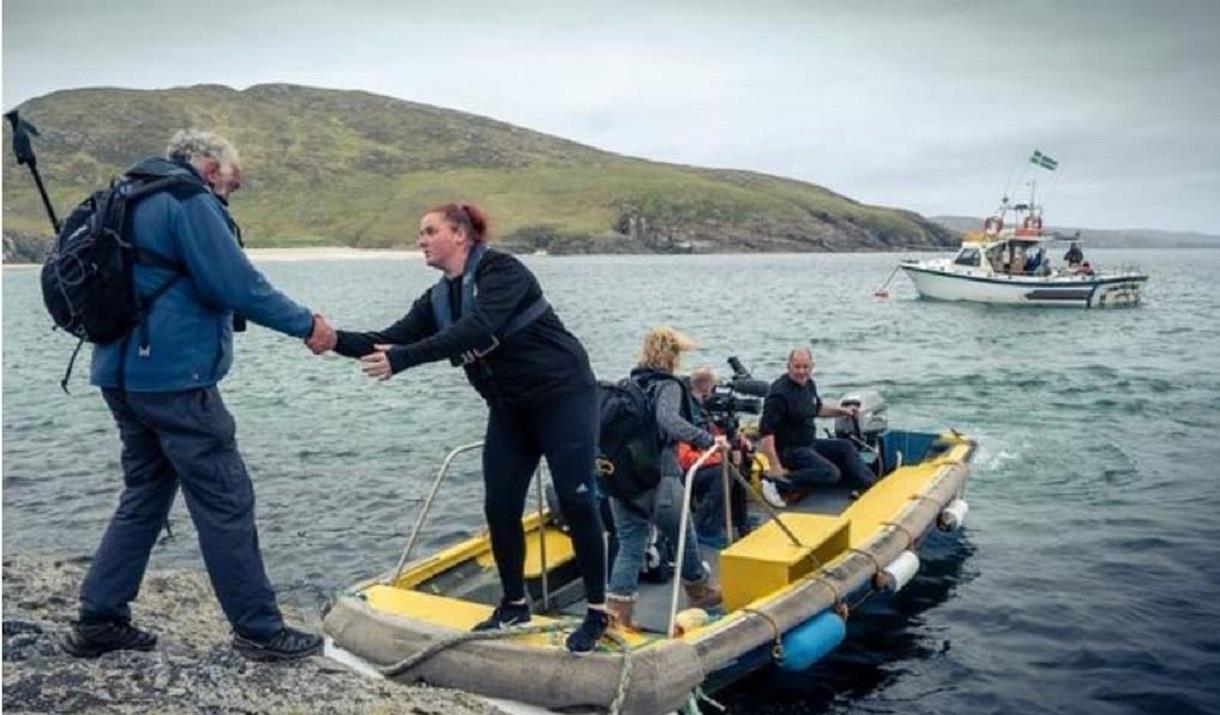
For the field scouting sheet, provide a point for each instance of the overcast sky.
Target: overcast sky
(931, 106)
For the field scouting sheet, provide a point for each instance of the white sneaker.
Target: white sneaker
(771, 494)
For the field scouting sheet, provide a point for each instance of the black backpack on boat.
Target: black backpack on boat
(629, 450)
(87, 282)
(629, 443)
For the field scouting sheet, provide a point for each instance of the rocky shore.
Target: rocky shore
(192, 670)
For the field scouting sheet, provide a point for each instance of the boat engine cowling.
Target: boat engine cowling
(869, 423)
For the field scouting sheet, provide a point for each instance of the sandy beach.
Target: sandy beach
(329, 253)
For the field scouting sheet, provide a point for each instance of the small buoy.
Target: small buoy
(954, 515)
(897, 573)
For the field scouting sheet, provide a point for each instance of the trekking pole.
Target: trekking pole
(24, 150)
(882, 292)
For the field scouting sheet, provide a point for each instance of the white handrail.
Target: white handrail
(423, 512)
(686, 492)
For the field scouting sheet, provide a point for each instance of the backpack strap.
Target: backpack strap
(135, 189)
(63, 384)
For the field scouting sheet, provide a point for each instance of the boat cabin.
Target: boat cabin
(1010, 255)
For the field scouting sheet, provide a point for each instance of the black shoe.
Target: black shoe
(584, 639)
(288, 644)
(89, 640)
(506, 615)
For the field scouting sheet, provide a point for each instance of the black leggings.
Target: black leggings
(565, 431)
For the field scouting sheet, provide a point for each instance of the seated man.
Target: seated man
(789, 439)
(1074, 256)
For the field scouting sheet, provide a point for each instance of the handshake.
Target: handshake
(322, 336)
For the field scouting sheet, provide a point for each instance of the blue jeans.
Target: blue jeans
(825, 463)
(186, 439)
(631, 527)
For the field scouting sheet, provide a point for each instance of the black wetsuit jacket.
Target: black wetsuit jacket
(788, 413)
(532, 366)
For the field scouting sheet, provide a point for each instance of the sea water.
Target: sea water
(1086, 579)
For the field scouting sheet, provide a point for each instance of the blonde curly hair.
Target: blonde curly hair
(663, 348)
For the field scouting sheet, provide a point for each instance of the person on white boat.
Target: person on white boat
(1016, 266)
(789, 440)
(1074, 256)
(995, 257)
(1034, 262)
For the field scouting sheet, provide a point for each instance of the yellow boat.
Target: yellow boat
(788, 587)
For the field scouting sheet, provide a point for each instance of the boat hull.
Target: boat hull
(661, 677)
(384, 621)
(1075, 291)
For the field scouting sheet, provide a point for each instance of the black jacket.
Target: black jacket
(541, 362)
(788, 413)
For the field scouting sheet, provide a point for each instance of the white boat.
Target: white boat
(1012, 264)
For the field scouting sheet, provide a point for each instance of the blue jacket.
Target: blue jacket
(190, 327)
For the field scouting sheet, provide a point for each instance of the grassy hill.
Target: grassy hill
(330, 167)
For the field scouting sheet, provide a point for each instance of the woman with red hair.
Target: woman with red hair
(487, 314)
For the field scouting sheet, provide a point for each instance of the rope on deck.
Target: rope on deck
(620, 693)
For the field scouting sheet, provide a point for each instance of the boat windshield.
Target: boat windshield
(969, 256)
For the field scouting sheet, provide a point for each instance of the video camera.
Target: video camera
(741, 393)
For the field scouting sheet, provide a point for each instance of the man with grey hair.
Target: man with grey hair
(789, 439)
(160, 383)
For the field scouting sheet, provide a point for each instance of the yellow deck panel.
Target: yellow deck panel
(558, 552)
(463, 615)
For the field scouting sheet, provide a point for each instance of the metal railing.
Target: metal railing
(726, 471)
(423, 510)
(422, 518)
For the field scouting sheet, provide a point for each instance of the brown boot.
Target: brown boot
(704, 593)
(620, 612)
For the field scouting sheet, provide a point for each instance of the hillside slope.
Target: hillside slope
(353, 168)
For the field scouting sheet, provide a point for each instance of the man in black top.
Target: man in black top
(1074, 255)
(789, 439)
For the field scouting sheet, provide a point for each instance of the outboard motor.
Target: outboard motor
(871, 421)
(867, 428)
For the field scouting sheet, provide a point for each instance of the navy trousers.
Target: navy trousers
(186, 439)
(825, 463)
(565, 432)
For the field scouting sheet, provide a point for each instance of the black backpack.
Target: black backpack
(629, 443)
(87, 278)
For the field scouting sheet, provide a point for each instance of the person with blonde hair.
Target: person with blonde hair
(661, 506)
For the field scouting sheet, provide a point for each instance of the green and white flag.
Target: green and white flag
(1043, 160)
